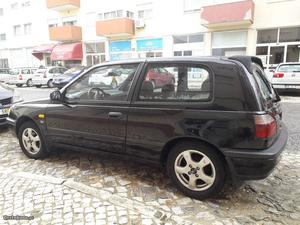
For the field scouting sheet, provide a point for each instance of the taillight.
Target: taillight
(45, 75)
(278, 75)
(20, 77)
(265, 126)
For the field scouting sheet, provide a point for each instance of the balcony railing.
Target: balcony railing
(119, 27)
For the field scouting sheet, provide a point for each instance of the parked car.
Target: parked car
(44, 77)
(4, 74)
(287, 77)
(21, 76)
(7, 98)
(61, 80)
(160, 77)
(225, 125)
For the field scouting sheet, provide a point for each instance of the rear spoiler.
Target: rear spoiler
(247, 61)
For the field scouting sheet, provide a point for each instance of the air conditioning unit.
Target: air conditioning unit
(139, 24)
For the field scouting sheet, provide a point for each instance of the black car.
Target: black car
(6, 99)
(218, 119)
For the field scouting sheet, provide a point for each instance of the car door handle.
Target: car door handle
(114, 114)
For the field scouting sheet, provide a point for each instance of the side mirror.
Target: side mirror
(56, 96)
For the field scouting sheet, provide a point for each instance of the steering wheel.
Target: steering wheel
(96, 93)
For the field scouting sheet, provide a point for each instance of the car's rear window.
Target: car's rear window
(291, 68)
(264, 87)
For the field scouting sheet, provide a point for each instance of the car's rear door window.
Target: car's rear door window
(176, 82)
(264, 87)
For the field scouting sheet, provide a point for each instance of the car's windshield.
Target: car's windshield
(290, 68)
(14, 71)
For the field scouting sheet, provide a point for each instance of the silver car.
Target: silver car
(287, 77)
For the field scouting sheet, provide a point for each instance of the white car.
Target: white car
(110, 78)
(287, 77)
(21, 76)
(44, 77)
(4, 74)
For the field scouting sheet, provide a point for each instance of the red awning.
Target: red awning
(67, 52)
(228, 13)
(42, 49)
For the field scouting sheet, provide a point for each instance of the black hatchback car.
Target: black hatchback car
(218, 118)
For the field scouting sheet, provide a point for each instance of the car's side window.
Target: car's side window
(25, 71)
(176, 82)
(111, 83)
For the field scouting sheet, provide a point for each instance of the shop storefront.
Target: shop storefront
(229, 43)
(120, 50)
(43, 53)
(95, 53)
(278, 45)
(149, 48)
(68, 55)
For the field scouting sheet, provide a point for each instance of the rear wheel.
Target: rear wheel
(31, 141)
(50, 84)
(19, 85)
(196, 169)
(29, 83)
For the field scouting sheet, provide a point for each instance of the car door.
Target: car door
(157, 115)
(92, 115)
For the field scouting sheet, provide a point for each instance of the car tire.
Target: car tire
(38, 86)
(50, 84)
(29, 83)
(200, 171)
(19, 85)
(31, 141)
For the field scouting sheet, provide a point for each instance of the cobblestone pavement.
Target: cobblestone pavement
(78, 188)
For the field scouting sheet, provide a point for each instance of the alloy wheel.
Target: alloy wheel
(195, 170)
(31, 141)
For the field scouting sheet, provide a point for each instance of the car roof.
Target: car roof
(289, 63)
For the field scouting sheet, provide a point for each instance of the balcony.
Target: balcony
(65, 33)
(120, 27)
(63, 5)
(228, 14)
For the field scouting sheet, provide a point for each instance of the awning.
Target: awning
(67, 52)
(42, 49)
(236, 13)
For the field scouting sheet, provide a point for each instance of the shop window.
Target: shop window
(289, 34)
(196, 38)
(229, 39)
(292, 54)
(228, 51)
(276, 55)
(180, 39)
(267, 36)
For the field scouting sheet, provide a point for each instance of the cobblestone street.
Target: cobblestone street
(78, 188)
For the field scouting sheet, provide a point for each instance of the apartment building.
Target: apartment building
(89, 32)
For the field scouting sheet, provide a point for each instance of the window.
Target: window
(183, 53)
(98, 47)
(2, 37)
(173, 82)
(14, 5)
(276, 55)
(103, 83)
(1, 11)
(116, 14)
(70, 23)
(289, 34)
(181, 39)
(17, 30)
(53, 25)
(27, 28)
(292, 54)
(262, 53)
(145, 14)
(26, 4)
(264, 87)
(267, 36)
(291, 68)
(25, 71)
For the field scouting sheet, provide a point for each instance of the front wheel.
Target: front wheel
(31, 141)
(196, 169)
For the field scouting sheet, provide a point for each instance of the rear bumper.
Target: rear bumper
(256, 164)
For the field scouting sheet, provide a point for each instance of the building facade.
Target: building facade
(73, 32)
